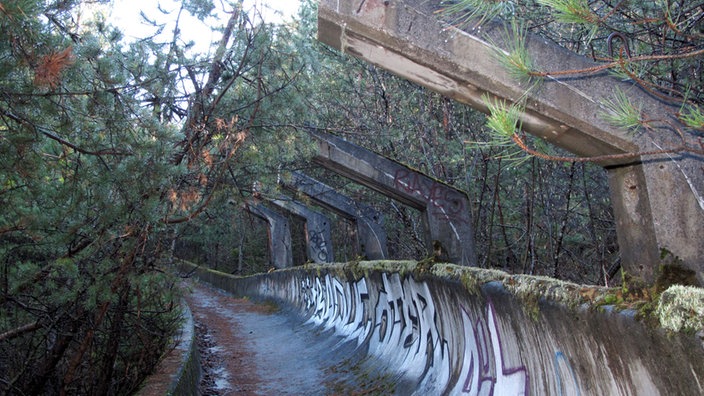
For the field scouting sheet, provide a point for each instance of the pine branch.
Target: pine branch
(617, 63)
(79, 149)
(520, 141)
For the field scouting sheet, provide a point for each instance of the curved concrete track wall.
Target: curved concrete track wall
(456, 330)
(178, 374)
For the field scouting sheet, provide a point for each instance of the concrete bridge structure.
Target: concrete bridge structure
(371, 236)
(411, 328)
(447, 215)
(658, 200)
(278, 233)
(317, 229)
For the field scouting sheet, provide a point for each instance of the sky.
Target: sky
(126, 15)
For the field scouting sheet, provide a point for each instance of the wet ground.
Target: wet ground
(259, 349)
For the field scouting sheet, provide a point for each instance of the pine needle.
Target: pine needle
(48, 71)
(621, 113)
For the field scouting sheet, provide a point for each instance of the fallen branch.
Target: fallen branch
(16, 332)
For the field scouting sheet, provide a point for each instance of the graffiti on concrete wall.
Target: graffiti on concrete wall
(444, 202)
(331, 304)
(484, 369)
(398, 321)
(318, 246)
(482, 337)
(406, 330)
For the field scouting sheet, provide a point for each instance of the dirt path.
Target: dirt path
(253, 349)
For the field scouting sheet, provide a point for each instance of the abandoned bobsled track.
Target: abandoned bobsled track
(413, 328)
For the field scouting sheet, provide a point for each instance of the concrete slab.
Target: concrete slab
(260, 349)
(448, 329)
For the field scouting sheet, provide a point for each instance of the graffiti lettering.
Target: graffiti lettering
(443, 202)
(484, 367)
(331, 305)
(318, 246)
(406, 321)
(446, 349)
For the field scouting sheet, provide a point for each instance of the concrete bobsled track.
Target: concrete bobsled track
(445, 329)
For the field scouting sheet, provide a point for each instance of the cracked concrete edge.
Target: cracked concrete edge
(185, 379)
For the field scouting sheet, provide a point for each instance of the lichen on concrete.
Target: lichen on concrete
(471, 277)
(531, 288)
(528, 288)
(681, 308)
(400, 266)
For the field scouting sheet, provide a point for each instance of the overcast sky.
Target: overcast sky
(126, 15)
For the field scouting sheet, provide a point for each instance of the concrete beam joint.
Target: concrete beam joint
(414, 45)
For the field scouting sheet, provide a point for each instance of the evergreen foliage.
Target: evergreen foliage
(107, 150)
(116, 155)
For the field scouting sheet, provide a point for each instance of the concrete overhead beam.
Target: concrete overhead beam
(317, 227)
(406, 38)
(370, 233)
(658, 201)
(446, 210)
(279, 233)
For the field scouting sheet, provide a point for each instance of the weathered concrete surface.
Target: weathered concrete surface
(317, 229)
(371, 236)
(279, 233)
(178, 373)
(258, 349)
(456, 330)
(658, 200)
(446, 210)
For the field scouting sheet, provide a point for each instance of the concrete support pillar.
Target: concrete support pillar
(658, 200)
(370, 234)
(636, 236)
(279, 234)
(446, 210)
(318, 237)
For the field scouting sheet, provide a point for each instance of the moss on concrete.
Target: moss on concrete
(530, 290)
(681, 309)
(402, 267)
(471, 277)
